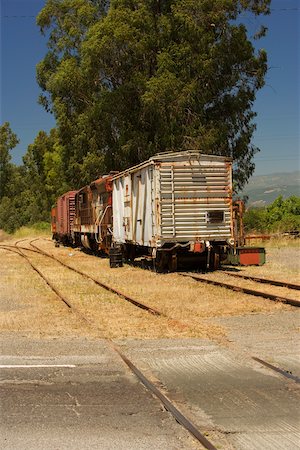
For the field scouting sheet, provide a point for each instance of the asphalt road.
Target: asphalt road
(78, 394)
(60, 391)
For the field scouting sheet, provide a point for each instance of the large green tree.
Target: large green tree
(44, 174)
(8, 141)
(13, 203)
(66, 91)
(144, 76)
(31, 189)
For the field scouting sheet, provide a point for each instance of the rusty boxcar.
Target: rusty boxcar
(92, 227)
(175, 207)
(62, 217)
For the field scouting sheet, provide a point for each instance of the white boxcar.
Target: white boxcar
(173, 204)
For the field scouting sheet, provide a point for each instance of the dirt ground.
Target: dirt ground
(3, 236)
(189, 308)
(199, 353)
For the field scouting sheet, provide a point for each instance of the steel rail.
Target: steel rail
(20, 240)
(16, 249)
(19, 252)
(19, 248)
(272, 297)
(283, 372)
(113, 290)
(102, 285)
(180, 418)
(186, 423)
(264, 280)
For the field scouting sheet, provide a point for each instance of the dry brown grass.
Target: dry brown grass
(4, 236)
(275, 242)
(183, 299)
(282, 263)
(186, 304)
(266, 288)
(29, 307)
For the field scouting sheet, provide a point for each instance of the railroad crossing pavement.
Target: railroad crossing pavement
(225, 392)
(78, 394)
(271, 336)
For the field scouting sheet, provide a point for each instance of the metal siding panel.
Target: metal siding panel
(169, 200)
(132, 209)
(148, 208)
(156, 204)
(142, 206)
(127, 219)
(118, 210)
(189, 189)
(135, 199)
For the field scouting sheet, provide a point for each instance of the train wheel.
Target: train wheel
(130, 252)
(161, 262)
(172, 263)
(214, 262)
(115, 257)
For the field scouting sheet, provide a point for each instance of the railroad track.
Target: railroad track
(180, 418)
(168, 404)
(285, 373)
(99, 283)
(198, 278)
(264, 280)
(19, 251)
(245, 290)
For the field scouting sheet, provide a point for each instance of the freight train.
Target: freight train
(174, 209)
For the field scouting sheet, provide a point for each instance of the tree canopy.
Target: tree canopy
(28, 191)
(8, 141)
(128, 78)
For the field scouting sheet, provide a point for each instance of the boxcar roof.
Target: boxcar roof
(171, 156)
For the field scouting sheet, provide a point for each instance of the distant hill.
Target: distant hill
(264, 189)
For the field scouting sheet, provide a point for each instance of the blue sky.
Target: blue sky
(277, 105)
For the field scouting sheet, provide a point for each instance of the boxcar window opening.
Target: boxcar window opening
(215, 217)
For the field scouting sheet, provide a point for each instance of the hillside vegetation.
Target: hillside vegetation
(262, 190)
(281, 216)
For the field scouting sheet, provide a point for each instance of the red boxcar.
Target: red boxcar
(53, 221)
(63, 218)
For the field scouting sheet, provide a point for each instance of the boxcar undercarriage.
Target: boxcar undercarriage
(204, 256)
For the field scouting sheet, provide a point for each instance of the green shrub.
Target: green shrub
(41, 226)
(38, 229)
(281, 216)
(255, 219)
